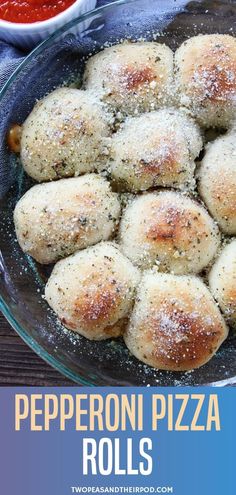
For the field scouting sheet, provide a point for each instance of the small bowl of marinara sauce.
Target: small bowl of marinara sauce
(26, 23)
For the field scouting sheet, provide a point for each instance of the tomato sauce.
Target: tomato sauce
(29, 11)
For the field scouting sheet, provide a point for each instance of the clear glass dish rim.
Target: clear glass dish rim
(35, 346)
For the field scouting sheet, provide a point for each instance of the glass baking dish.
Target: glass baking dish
(60, 60)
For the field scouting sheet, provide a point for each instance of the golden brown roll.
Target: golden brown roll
(92, 291)
(155, 149)
(132, 77)
(56, 219)
(205, 67)
(169, 229)
(222, 280)
(217, 181)
(175, 324)
(64, 135)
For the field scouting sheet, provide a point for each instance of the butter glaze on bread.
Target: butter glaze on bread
(205, 68)
(175, 324)
(132, 77)
(217, 181)
(64, 135)
(56, 219)
(170, 229)
(92, 292)
(155, 149)
(222, 280)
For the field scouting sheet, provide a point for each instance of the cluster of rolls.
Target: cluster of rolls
(140, 232)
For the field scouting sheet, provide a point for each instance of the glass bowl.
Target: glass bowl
(58, 60)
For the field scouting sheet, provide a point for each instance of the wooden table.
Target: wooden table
(19, 365)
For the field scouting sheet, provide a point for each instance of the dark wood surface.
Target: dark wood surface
(19, 365)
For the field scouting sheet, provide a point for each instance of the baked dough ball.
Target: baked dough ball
(170, 229)
(132, 77)
(64, 135)
(205, 68)
(92, 291)
(175, 324)
(155, 149)
(217, 181)
(56, 219)
(222, 280)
